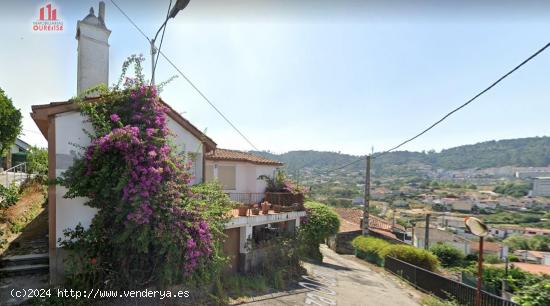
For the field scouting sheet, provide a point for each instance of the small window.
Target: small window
(227, 176)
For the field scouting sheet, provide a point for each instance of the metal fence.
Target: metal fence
(16, 174)
(440, 286)
(247, 197)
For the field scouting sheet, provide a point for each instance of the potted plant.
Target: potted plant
(255, 210)
(243, 210)
(265, 207)
(276, 208)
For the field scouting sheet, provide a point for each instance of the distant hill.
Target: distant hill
(524, 152)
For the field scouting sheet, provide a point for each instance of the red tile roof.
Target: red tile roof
(351, 221)
(40, 114)
(487, 246)
(233, 155)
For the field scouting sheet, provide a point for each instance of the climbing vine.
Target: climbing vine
(151, 227)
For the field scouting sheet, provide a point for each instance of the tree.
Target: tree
(10, 124)
(448, 255)
(37, 160)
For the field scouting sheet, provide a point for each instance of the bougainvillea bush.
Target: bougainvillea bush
(151, 228)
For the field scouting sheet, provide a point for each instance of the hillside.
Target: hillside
(522, 152)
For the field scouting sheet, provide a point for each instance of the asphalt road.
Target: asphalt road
(341, 280)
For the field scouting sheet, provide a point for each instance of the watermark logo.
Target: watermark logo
(48, 20)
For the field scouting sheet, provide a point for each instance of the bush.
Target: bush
(375, 250)
(537, 294)
(369, 248)
(491, 259)
(8, 195)
(448, 255)
(320, 223)
(412, 255)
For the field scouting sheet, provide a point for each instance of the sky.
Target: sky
(343, 76)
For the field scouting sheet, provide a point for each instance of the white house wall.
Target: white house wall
(246, 175)
(186, 142)
(68, 132)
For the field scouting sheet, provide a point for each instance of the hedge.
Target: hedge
(375, 250)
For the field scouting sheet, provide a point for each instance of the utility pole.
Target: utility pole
(367, 198)
(427, 233)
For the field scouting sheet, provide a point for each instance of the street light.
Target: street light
(172, 12)
(478, 228)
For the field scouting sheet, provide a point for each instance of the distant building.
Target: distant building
(439, 236)
(460, 205)
(532, 174)
(538, 257)
(451, 221)
(506, 231)
(358, 201)
(541, 186)
(489, 248)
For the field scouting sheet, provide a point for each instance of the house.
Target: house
(17, 154)
(505, 231)
(351, 220)
(537, 257)
(436, 235)
(489, 248)
(62, 125)
(462, 205)
(541, 187)
(451, 222)
(238, 173)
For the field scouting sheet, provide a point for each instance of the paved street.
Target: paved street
(340, 280)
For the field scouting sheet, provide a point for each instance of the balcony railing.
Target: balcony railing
(247, 197)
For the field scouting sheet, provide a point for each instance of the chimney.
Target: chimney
(102, 11)
(93, 50)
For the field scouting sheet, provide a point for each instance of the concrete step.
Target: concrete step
(24, 260)
(24, 270)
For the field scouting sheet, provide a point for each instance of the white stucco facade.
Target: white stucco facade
(246, 175)
(69, 135)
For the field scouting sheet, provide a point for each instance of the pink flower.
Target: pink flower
(115, 118)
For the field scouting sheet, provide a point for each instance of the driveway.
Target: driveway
(342, 280)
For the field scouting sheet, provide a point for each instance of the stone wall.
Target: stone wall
(341, 242)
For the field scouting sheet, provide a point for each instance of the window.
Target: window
(227, 176)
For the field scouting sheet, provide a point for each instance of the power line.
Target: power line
(448, 114)
(187, 79)
(469, 101)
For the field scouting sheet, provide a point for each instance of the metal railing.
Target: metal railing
(441, 286)
(15, 174)
(247, 197)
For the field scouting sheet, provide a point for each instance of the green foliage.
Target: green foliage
(448, 255)
(375, 250)
(37, 160)
(536, 243)
(432, 300)
(511, 218)
(321, 222)
(412, 255)
(151, 227)
(493, 276)
(369, 248)
(10, 123)
(9, 195)
(537, 294)
(275, 183)
(492, 259)
(513, 189)
(530, 152)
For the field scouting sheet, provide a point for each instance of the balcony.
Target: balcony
(247, 197)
